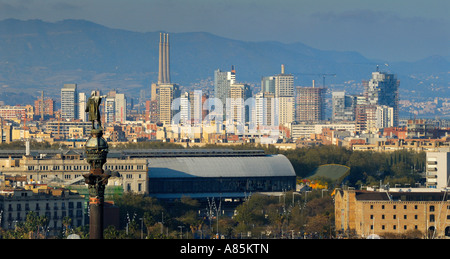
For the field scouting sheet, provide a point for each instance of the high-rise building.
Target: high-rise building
(167, 94)
(115, 107)
(109, 108)
(382, 89)
(286, 109)
(197, 101)
(343, 106)
(268, 84)
(384, 116)
(82, 115)
(310, 104)
(284, 84)
(265, 112)
(185, 108)
(120, 108)
(69, 101)
(237, 111)
(222, 83)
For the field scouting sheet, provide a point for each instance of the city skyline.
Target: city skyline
(406, 30)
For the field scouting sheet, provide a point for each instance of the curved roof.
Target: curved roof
(255, 166)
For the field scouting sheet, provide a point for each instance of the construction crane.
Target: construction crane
(322, 75)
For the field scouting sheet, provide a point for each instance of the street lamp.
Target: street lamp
(181, 231)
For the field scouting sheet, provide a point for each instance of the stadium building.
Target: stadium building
(227, 177)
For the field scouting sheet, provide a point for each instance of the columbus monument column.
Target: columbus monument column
(96, 153)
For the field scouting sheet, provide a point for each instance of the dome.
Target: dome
(96, 143)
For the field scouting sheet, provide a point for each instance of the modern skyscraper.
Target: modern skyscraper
(268, 84)
(310, 104)
(382, 89)
(343, 106)
(69, 101)
(284, 96)
(222, 84)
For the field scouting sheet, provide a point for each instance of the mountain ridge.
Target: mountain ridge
(40, 55)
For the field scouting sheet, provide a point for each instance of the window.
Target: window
(431, 217)
(431, 208)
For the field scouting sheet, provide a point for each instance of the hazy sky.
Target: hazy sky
(393, 30)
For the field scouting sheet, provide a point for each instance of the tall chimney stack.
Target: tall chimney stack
(167, 59)
(160, 72)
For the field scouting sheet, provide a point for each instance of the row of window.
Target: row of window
(394, 227)
(431, 208)
(431, 218)
(82, 167)
(37, 207)
(55, 216)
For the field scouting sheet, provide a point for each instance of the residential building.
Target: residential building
(237, 111)
(13, 112)
(343, 107)
(438, 170)
(310, 104)
(54, 203)
(69, 101)
(167, 94)
(384, 116)
(68, 168)
(382, 89)
(284, 84)
(82, 101)
(222, 84)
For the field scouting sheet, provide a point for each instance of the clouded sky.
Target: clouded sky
(393, 30)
